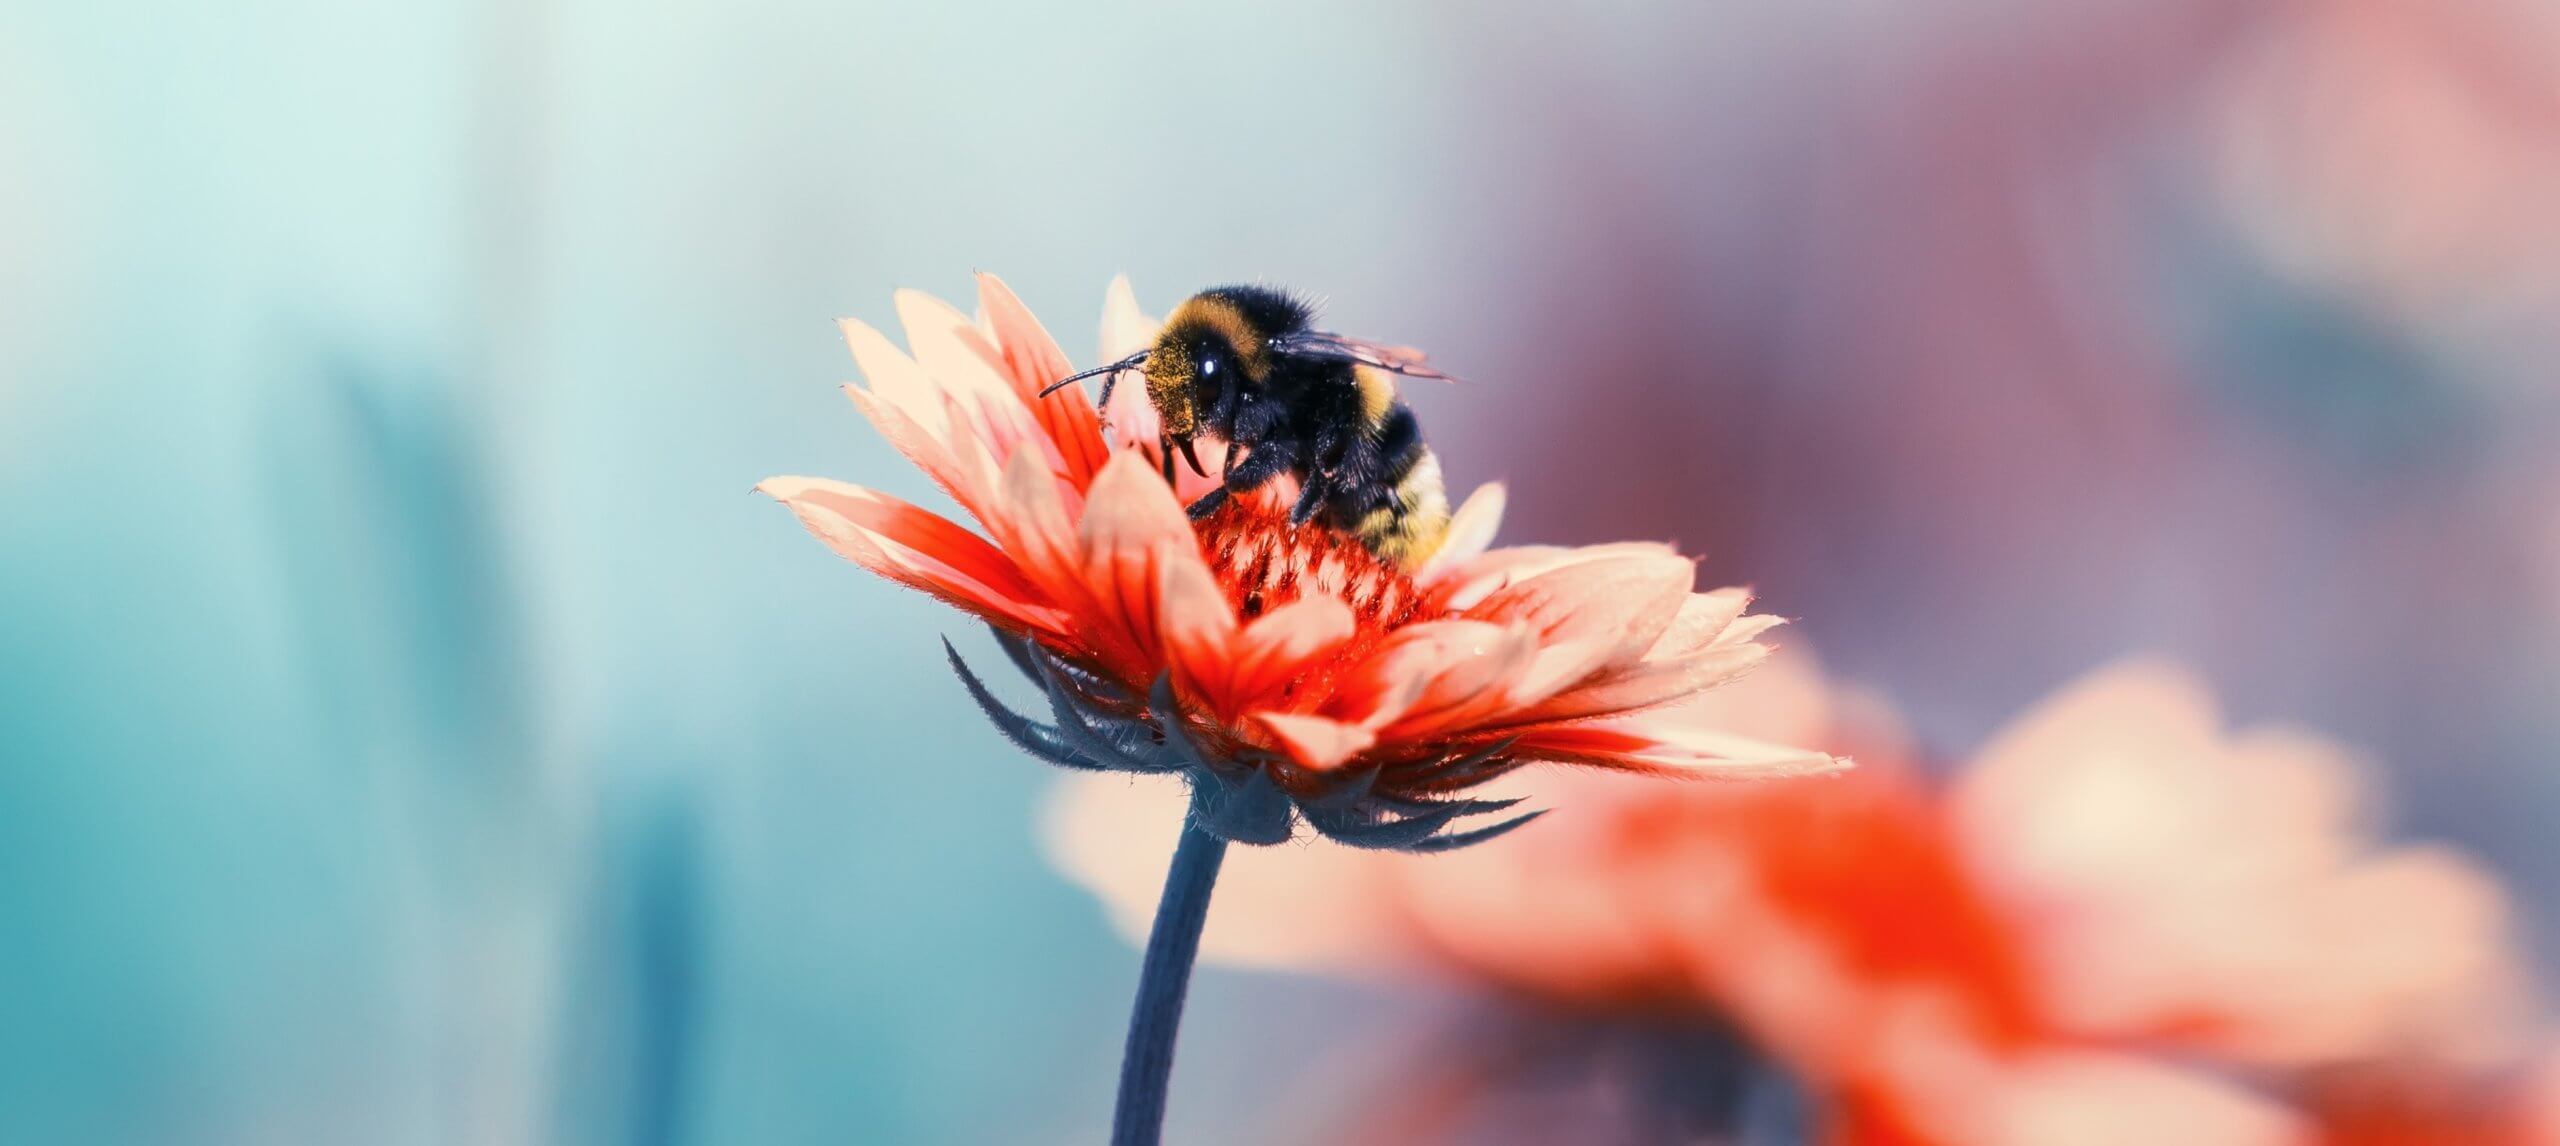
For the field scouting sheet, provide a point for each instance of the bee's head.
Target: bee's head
(1209, 351)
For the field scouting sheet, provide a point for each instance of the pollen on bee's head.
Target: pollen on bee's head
(1170, 374)
(1263, 563)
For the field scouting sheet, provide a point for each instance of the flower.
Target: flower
(1285, 670)
(2178, 883)
(2120, 922)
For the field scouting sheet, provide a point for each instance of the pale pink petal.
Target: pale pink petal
(1634, 688)
(1033, 361)
(1037, 527)
(915, 548)
(1470, 533)
(1199, 628)
(1132, 528)
(1789, 700)
(948, 346)
(898, 382)
(960, 357)
(1465, 680)
(1131, 420)
(1674, 747)
(1432, 657)
(1463, 584)
(2222, 887)
(1126, 329)
(1745, 630)
(1625, 601)
(1703, 618)
(1280, 644)
(1557, 668)
(961, 468)
(1315, 741)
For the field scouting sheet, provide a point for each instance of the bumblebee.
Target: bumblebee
(1243, 364)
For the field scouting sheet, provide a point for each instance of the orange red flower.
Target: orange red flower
(1288, 671)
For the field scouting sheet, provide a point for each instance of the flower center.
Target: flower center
(1263, 562)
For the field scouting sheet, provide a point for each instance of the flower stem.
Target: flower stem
(1146, 1067)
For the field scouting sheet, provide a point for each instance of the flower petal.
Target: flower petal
(961, 467)
(1317, 742)
(2184, 876)
(1469, 533)
(1673, 747)
(948, 346)
(1033, 525)
(1626, 601)
(966, 364)
(898, 380)
(1126, 329)
(1279, 645)
(1200, 634)
(1465, 583)
(1130, 420)
(915, 548)
(1424, 676)
(1032, 360)
(1560, 667)
(1703, 618)
(1648, 684)
(1747, 629)
(1132, 527)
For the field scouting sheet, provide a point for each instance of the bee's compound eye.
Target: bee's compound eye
(1208, 365)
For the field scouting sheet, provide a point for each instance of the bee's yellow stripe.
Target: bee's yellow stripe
(1407, 539)
(1377, 396)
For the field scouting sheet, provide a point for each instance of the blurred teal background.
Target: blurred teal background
(412, 730)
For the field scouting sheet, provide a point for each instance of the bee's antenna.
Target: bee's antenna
(1132, 362)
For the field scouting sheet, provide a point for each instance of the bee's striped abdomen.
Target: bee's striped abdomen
(1404, 513)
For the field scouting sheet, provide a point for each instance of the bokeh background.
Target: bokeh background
(412, 730)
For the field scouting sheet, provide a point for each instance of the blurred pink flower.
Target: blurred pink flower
(2404, 153)
(2117, 894)
(2181, 883)
(1369, 693)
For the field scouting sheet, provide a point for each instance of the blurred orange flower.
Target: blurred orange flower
(1283, 669)
(2095, 933)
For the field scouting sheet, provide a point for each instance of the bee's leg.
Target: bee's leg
(1328, 448)
(1310, 498)
(1164, 449)
(1240, 477)
(1257, 467)
(1226, 410)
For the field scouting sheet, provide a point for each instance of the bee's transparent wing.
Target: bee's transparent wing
(1403, 360)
